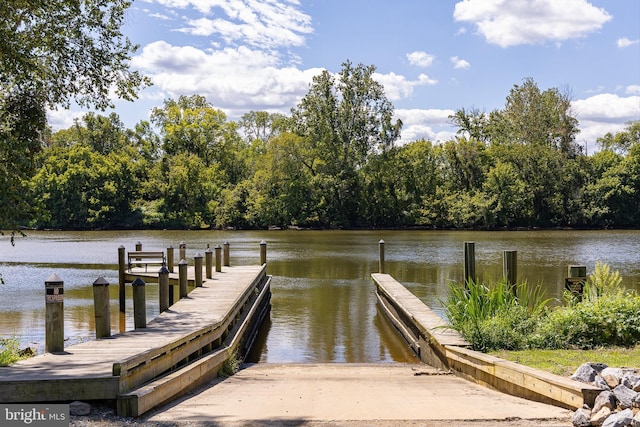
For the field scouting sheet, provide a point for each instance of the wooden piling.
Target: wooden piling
(182, 278)
(54, 314)
(577, 276)
(101, 308)
(218, 250)
(163, 288)
(381, 256)
(121, 278)
(469, 262)
(225, 254)
(170, 258)
(510, 268)
(263, 252)
(183, 250)
(139, 304)
(197, 260)
(208, 257)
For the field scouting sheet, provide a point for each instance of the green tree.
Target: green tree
(343, 121)
(191, 125)
(53, 53)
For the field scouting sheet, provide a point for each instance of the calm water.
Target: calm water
(323, 303)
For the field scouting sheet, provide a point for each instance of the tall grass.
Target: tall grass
(494, 317)
(10, 351)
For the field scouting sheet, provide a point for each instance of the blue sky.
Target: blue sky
(433, 56)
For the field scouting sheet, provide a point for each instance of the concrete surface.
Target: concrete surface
(355, 395)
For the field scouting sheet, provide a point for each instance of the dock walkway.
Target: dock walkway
(110, 367)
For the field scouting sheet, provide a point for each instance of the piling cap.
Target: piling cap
(182, 262)
(208, 250)
(138, 282)
(53, 279)
(101, 281)
(381, 241)
(163, 270)
(198, 255)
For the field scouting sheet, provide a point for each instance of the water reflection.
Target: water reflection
(323, 302)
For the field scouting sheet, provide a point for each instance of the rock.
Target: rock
(606, 399)
(599, 367)
(621, 419)
(597, 418)
(635, 422)
(79, 408)
(636, 401)
(613, 376)
(601, 383)
(625, 396)
(582, 418)
(631, 381)
(585, 373)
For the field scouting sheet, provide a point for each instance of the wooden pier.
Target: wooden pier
(140, 369)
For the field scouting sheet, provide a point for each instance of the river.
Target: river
(323, 302)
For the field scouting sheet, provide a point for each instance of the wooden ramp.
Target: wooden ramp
(110, 367)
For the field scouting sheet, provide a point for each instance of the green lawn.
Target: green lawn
(565, 362)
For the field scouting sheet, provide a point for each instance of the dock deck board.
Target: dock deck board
(205, 306)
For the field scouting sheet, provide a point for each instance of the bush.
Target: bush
(9, 351)
(492, 318)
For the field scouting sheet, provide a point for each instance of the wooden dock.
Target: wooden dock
(198, 332)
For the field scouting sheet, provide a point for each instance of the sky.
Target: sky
(432, 56)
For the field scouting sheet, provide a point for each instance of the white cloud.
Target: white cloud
(268, 24)
(607, 107)
(397, 87)
(63, 118)
(421, 59)
(625, 42)
(604, 113)
(633, 89)
(459, 63)
(230, 78)
(429, 124)
(515, 22)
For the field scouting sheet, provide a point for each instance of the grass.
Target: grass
(10, 351)
(565, 362)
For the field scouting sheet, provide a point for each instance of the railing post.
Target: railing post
(163, 291)
(381, 256)
(510, 268)
(218, 250)
(183, 250)
(101, 308)
(54, 314)
(182, 278)
(198, 269)
(225, 254)
(170, 258)
(469, 263)
(208, 257)
(121, 278)
(139, 304)
(263, 252)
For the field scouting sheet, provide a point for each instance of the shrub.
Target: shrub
(9, 351)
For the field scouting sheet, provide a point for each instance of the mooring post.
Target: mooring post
(208, 260)
(218, 250)
(577, 276)
(101, 307)
(163, 288)
(469, 263)
(183, 250)
(170, 258)
(225, 254)
(263, 252)
(197, 260)
(381, 256)
(138, 248)
(182, 278)
(54, 314)
(121, 278)
(510, 268)
(139, 304)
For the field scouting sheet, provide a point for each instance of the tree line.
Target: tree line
(334, 162)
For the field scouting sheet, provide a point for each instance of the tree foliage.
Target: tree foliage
(54, 53)
(333, 163)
